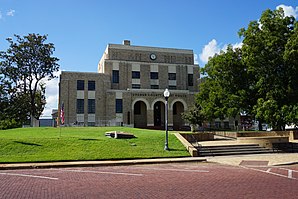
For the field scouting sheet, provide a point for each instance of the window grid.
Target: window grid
(217, 124)
(153, 75)
(119, 106)
(91, 85)
(115, 76)
(135, 75)
(91, 105)
(136, 86)
(80, 106)
(91, 123)
(80, 85)
(190, 79)
(172, 87)
(154, 86)
(226, 125)
(172, 76)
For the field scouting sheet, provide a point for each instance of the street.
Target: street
(175, 180)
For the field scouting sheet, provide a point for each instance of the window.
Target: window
(217, 125)
(91, 105)
(154, 86)
(137, 86)
(226, 125)
(91, 85)
(190, 79)
(115, 76)
(172, 87)
(91, 123)
(154, 75)
(80, 106)
(135, 75)
(118, 105)
(172, 76)
(80, 85)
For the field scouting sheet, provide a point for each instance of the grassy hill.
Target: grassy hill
(83, 143)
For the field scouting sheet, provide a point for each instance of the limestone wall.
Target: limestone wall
(198, 136)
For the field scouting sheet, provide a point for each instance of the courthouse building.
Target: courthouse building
(127, 89)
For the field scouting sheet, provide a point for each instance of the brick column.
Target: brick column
(150, 117)
(170, 118)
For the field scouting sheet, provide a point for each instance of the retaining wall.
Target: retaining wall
(293, 135)
(198, 136)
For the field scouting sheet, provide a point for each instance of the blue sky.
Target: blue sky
(81, 30)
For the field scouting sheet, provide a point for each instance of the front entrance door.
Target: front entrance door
(140, 114)
(157, 114)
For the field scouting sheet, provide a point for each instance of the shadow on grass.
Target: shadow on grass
(176, 149)
(89, 139)
(27, 143)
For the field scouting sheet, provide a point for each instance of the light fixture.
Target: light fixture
(166, 94)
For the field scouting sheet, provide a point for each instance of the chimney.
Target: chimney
(126, 42)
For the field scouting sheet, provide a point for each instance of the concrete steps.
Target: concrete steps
(289, 147)
(242, 149)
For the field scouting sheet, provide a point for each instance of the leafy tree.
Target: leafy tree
(194, 116)
(267, 45)
(260, 78)
(26, 64)
(223, 91)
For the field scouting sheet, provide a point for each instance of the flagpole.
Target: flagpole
(62, 119)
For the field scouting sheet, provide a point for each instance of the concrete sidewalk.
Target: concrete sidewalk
(99, 163)
(274, 159)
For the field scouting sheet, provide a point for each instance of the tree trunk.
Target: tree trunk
(260, 125)
(33, 121)
(194, 127)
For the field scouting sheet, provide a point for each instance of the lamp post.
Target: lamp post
(166, 94)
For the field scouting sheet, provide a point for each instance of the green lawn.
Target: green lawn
(84, 143)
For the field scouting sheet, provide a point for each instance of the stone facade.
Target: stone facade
(128, 88)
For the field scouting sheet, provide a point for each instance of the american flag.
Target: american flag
(62, 114)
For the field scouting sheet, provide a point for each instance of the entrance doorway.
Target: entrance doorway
(178, 122)
(159, 115)
(140, 114)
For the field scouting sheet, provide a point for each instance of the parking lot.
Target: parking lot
(176, 180)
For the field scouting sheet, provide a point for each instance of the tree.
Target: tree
(26, 64)
(266, 53)
(259, 79)
(224, 89)
(194, 116)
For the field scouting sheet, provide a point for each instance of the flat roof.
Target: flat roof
(148, 48)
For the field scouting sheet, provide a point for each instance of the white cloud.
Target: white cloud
(209, 50)
(289, 10)
(0, 15)
(213, 48)
(237, 45)
(10, 13)
(52, 91)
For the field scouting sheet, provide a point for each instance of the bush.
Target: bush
(9, 124)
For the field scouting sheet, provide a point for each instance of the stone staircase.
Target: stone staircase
(289, 147)
(235, 149)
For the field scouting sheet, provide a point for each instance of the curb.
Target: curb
(14, 166)
(285, 164)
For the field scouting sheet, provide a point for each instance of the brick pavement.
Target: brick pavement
(175, 180)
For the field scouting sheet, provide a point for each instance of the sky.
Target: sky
(81, 30)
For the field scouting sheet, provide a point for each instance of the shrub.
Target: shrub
(9, 124)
